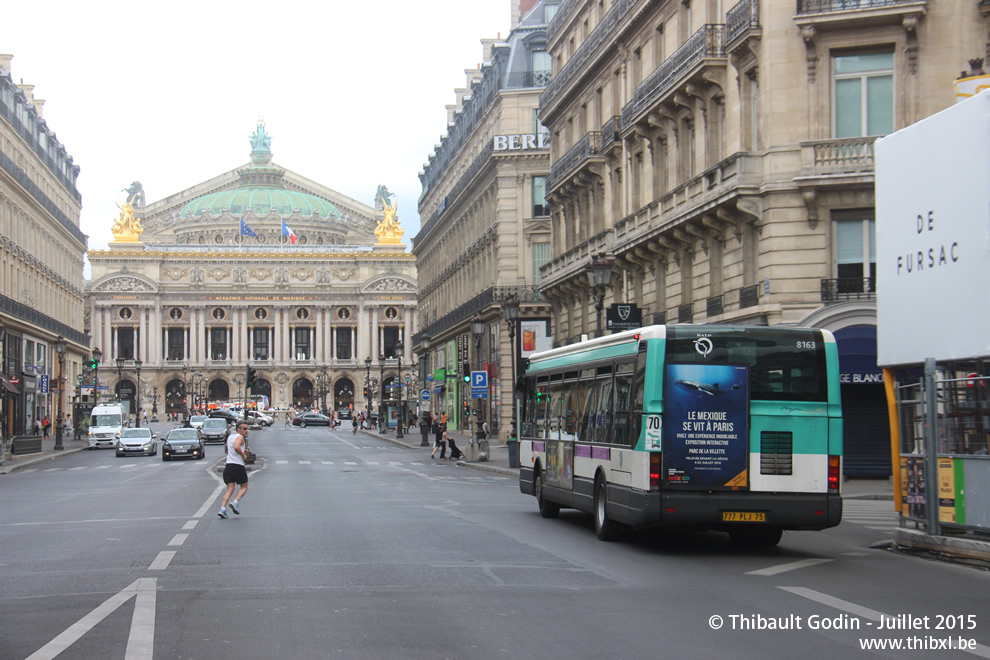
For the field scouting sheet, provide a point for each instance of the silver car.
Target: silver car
(215, 429)
(137, 441)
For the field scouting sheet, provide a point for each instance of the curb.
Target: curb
(9, 466)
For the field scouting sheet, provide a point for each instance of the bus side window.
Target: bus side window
(587, 432)
(620, 424)
(603, 418)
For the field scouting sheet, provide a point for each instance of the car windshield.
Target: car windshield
(136, 433)
(183, 434)
(198, 419)
(215, 424)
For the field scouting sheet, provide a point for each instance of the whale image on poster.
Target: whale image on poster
(706, 426)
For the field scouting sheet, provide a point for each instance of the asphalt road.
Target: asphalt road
(354, 547)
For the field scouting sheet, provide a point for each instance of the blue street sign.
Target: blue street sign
(43, 383)
(424, 395)
(479, 379)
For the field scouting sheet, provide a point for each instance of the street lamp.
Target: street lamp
(97, 358)
(60, 345)
(510, 310)
(382, 420)
(599, 275)
(478, 329)
(367, 383)
(120, 374)
(424, 420)
(137, 393)
(402, 408)
(154, 403)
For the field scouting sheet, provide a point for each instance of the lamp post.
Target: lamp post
(75, 422)
(97, 358)
(367, 383)
(424, 420)
(60, 345)
(154, 403)
(478, 330)
(120, 374)
(599, 275)
(382, 420)
(402, 409)
(510, 310)
(137, 393)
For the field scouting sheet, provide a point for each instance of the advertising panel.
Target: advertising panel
(560, 464)
(933, 207)
(534, 337)
(706, 426)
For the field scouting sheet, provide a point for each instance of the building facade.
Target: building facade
(257, 266)
(486, 231)
(715, 161)
(41, 264)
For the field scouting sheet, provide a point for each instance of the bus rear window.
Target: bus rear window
(787, 366)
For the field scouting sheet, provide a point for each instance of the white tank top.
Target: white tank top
(232, 455)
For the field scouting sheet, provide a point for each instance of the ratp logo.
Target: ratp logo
(704, 346)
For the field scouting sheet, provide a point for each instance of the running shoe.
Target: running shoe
(233, 507)
(222, 512)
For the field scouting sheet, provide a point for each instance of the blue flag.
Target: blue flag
(247, 231)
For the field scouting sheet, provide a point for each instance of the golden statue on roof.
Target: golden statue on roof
(127, 228)
(388, 230)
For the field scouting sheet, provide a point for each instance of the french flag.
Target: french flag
(288, 232)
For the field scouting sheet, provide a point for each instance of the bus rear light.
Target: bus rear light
(654, 471)
(819, 512)
(833, 474)
(670, 509)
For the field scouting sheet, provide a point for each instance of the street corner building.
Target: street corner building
(256, 267)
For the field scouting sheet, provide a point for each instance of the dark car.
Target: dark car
(311, 419)
(215, 429)
(344, 413)
(183, 443)
(225, 414)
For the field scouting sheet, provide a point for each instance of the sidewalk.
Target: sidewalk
(498, 460)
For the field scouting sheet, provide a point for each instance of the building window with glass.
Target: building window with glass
(856, 254)
(863, 94)
(302, 344)
(218, 343)
(176, 344)
(344, 343)
(539, 196)
(541, 257)
(260, 343)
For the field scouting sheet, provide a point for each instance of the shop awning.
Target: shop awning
(8, 386)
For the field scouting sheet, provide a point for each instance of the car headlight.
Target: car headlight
(166, 445)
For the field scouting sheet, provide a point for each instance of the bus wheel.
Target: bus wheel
(756, 538)
(548, 509)
(606, 529)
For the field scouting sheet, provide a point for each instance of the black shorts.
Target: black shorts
(234, 474)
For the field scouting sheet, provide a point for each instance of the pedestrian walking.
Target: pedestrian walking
(354, 425)
(234, 471)
(289, 414)
(484, 430)
(439, 431)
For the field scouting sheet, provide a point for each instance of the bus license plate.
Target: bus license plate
(743, 516)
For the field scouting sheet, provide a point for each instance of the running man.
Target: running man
(234, 471)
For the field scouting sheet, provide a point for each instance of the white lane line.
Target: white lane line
(281, 462)
(190, 524)
(81, 467)
(394, 463)
(209, 500)
(372, 463)
(162, 560)
(53, 469)
(792, 566)
(327, 462)
(865, 612)
(28, 470)
(349, 463)
(178, 539)
(140, 642)
(305, 462)
(101, 467)
(419, 464)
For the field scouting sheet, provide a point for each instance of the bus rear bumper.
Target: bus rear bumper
(798, 511)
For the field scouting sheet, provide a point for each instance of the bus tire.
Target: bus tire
(548, 509)
(762, 537)
(607, 530)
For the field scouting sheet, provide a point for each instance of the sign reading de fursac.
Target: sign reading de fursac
(933, 205)
(522, 142)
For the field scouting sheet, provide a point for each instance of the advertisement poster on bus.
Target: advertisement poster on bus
(706, 426)
(560, 464)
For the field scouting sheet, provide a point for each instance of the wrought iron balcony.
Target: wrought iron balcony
(826, 6)
(528, 79)
(848, 288)
(610, 132)
(741, 18)
(685, 313)
(713, 306)
(587, 146)
(749, 296)
(708, 42)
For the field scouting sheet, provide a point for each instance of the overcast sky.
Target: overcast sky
(352, 93)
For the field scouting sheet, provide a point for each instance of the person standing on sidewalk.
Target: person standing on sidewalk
(234, 471)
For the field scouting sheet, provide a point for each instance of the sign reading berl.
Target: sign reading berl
(623, 316)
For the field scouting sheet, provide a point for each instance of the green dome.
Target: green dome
(260, 200)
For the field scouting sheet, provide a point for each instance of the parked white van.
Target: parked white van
(105, 424)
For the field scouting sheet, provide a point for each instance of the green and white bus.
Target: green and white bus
(733, 428)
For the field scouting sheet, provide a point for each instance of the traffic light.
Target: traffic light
(466, 371)
(251, 377)
(93, 363)
(366, 393)
(467, 409)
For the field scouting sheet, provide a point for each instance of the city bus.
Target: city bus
(731, 428)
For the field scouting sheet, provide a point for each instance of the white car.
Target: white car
(256, 417)
(137, 441)
(196, 421)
